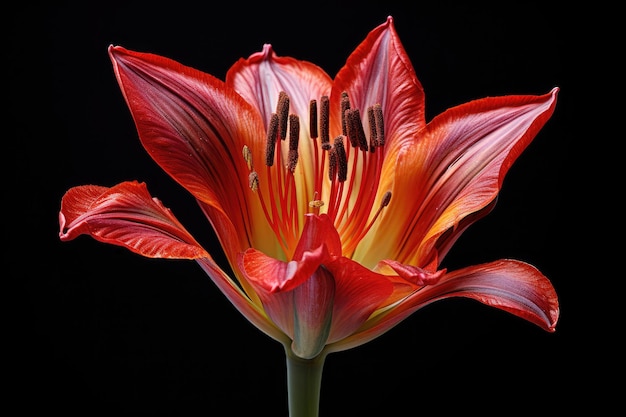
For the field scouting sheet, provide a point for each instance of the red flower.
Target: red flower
(334, 200)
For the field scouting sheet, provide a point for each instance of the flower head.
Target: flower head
(334, 200)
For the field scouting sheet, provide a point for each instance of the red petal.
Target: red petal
(263, 75)
(359, 292)
(380, 72)
(509, 285)
(126, 215)
(454, 169)
(195, 127)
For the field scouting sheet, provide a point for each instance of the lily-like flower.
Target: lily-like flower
(334, 200)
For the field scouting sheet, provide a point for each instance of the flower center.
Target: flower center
(345, 175)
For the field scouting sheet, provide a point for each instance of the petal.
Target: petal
(270, 275)
(359, 292)
(509, 285)
(379, 72)
(313, 307)
(264, 274)
(453, 170)
(259, 79)
(415, 275)
(318, 231)
(195, 127)
(126, 215)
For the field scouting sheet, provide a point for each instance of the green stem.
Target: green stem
(304, 382)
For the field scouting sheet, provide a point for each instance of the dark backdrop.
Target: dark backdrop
(99, 329)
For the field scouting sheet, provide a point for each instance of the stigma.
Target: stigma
(341, 175)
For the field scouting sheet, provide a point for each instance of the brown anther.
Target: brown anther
(313, 119)
(342, 159)
(294, 136)
(380, 125)
(282, 109)
(316, 203)
(332, 163)
(270, 144)
(345, 105)
(253, 181)
(371, 118)
(386, 199)
(356, 130)
(324, 122)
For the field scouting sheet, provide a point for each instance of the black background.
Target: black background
(99, 329)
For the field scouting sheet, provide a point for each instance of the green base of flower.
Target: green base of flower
(304, 382)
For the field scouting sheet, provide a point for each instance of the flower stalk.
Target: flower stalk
(304, 382)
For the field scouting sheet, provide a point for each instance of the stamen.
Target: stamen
(342, 160)
(332, 164)
(294, 136)
(313, 119)
(386, 199)
(371, 118)
(253, 181)
(270, 144)
(345, 105)
(247, 156)
(356, 129)
(380, 125)
(324, 122)
(282, 109)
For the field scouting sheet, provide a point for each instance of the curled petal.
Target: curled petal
(509, 285)
(126, 215)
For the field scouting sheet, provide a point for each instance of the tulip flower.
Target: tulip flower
(333, 199)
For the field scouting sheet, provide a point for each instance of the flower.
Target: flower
(334, 201)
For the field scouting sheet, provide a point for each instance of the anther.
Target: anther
(282, 109)
(371, 118)
(294, 135)
(253, 181)
(324, 122)
(380, 125)
(270, 144)
(386, 199)
(356, 129)
(342, 159)
(247, 156)
(313, 119)
(345, 105)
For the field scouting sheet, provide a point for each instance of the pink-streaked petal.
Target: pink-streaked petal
(359, 292)
(126, 215)
(195, 127)
(454, 168)
(509, 285)
(261, 77)
(380, 72)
